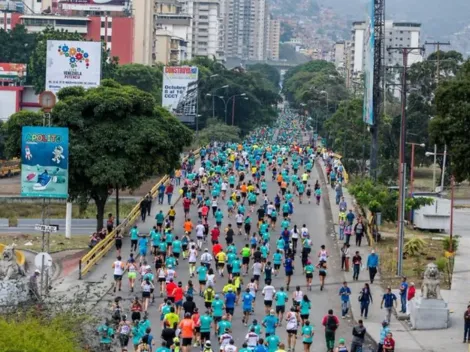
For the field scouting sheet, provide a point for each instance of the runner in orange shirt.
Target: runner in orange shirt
(188, 226)
(187, 327)
(279, 179)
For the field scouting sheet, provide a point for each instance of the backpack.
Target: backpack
(117, 313)
(210, 295)
(104, 332)
(144, 347)
(331, 323)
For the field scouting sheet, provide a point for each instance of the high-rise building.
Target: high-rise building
(144, 31)
(205, 21)
(397, 34)
(274, 37)
(247, 30)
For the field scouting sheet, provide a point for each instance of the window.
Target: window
(73, 23)
(109, 39)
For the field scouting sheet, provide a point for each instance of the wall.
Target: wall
(8, 103)
(122, 39)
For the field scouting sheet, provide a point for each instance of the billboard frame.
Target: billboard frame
(44, 162)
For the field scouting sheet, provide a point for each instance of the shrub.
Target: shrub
(446, 243)
(414, 246)
(441, 264)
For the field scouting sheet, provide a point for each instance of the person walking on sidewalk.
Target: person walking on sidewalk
(384, 330)
(410, 296)
(358, 332)
(359, 231)
(466, 326)
(345, 255)
(331, 323)
(350, 217)
(389, 301)
(365, 297)
(372, 265)
(344, 293)
(403, 294)
(357, 262)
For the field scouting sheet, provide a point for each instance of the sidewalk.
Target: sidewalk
(96, 284)
(406, 340)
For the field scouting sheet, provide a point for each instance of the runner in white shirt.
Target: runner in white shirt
(257, 268)
(323, 254)
(206, 258)
(295, 237)
(304, 231)
(192, 259)
(224, 340)
(239, 220)
(268, 293)
(224, 187)
(199, 235)
(270, 209)
(170, 274)
(118, 267)
(291, 328)
(252, 339)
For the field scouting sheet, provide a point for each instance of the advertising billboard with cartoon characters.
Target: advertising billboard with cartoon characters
(72, 63)
(44, 162)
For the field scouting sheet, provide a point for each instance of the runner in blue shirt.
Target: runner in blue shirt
(247, 300)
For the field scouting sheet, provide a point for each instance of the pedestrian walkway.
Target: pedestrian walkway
(406, 340)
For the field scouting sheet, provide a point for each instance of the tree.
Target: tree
(118, 139)
(269, 72)
(218, 131)
(37, 58)
(452, 121)
(143, 77)
(11, 129)
(16, 45)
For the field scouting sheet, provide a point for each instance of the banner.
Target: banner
(368, 107)
(45, 162)
(96, 2)
(180, 92)
(72, 63)
(12, 72)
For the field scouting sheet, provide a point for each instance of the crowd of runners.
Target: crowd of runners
(246, 248)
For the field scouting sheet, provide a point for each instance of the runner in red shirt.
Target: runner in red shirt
(170, 288)
(215, 233)
(216, 248)
(186, 206)
(204, 211)
(178, 294)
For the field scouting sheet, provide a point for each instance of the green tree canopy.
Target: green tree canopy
(16, 45)
(269, 72)
(218, 131)
(451, 125)
(118, 139)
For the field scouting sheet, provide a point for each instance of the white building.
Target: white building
(397, 34)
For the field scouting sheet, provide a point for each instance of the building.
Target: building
(397, 34)
(144, 31)
(342, 58)
(274, 37)
(170, 20)
(247, 30)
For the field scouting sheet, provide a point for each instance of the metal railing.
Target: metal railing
(89, 260)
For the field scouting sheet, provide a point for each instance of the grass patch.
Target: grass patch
(57, 242)
(413, 266)
(30, 210)
(423, 182)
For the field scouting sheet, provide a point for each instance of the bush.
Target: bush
(441, 264)
(446, 243)
(31, 333)
(414, 246)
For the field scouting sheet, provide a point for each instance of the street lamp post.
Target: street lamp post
(435, 154)
(451, 227)
(413, 164)
(233, 107)
(213, 96)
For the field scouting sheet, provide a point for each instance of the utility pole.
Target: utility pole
(402, 165)
(438, 46)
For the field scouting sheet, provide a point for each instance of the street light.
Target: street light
(422, 145)
(233, 106)
(435, 154)
(213, 95)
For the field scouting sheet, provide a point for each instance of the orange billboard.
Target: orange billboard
(12, 72)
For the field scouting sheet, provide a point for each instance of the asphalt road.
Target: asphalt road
(318, 221)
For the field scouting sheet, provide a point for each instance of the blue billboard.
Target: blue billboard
(368, 108)
(44, 162)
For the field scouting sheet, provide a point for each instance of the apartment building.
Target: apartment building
(397, 34)
(250, 32)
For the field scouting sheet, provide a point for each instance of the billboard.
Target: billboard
(72, 63)
(12, 72)
(368, 108)
(94, 5)
(180, 90)
(44, 162)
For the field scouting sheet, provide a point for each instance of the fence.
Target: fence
(89, 260)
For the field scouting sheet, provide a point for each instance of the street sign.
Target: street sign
(39, 258)
(46, 228)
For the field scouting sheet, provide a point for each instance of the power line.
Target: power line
(438, 46)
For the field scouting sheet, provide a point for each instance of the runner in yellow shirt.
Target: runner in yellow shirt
(221, 258)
